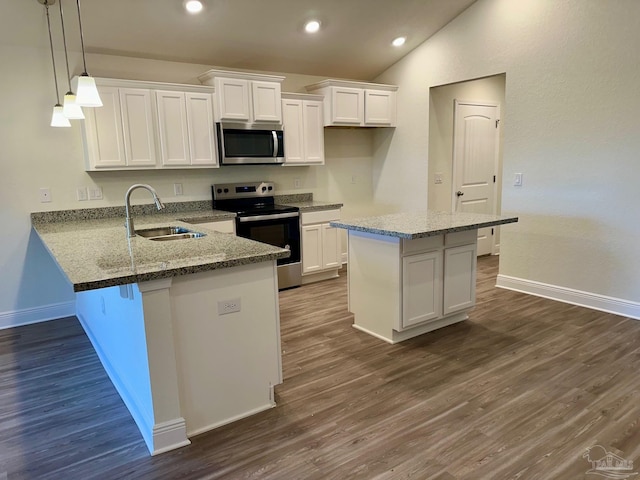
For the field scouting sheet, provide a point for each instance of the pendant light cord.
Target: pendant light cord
(84, 61)
(53, 58)
(64, 42)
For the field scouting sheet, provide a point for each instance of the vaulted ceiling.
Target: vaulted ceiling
(354, 41)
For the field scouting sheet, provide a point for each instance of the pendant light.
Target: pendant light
(57, 119)
(70, 108)
(87, 94)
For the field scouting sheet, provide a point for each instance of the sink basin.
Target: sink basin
(168, 233)
(179, 236)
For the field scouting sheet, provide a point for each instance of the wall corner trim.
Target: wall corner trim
(26, 316)
(595, 301)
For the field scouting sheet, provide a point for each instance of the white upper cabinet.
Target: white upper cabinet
(362, 104)
(303, 125)
(185, 128)
(146, 125)
(245, 97)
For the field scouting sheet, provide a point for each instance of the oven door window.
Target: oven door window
(280, 233)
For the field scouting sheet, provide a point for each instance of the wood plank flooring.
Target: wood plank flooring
(519, 391)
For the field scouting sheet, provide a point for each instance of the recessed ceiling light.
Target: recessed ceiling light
(193, 6)
(312, 27)
(398, 42)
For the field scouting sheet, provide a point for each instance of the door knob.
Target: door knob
(459, 193)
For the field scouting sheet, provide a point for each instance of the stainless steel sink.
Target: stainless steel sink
(168, 233)
(179, 236)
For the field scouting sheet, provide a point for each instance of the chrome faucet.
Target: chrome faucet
(127, 201)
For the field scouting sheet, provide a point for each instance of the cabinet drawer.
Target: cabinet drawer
(322, 216)
(421, 244)
(461, 238)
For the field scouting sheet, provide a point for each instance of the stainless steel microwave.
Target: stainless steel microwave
(250, 144)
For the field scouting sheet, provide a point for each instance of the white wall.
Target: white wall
(34, 155)
(572, 79)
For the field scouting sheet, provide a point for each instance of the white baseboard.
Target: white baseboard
(595, 301)
(169, 436)
(345, 258)
(27, 316)
(262, 408)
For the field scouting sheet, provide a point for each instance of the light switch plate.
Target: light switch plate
(95, 193)
(177, 189)
(517, 180)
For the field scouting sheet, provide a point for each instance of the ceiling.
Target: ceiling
(354, 42)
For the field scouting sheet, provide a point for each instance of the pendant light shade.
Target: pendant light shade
(87, 94)
(70, 108)
(58, 118)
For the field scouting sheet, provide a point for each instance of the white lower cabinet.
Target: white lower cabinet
(421, 288)
(321, 248)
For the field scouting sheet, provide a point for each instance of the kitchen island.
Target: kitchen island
(188, 329)
(411, 273)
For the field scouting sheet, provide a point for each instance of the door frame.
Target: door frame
(496, 161)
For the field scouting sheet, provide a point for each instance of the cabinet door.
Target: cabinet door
(311, 248)
(233, 98)
(103, 132)
(421, 288)
(347, 105)
(379, 107)
(331, 251)
(200, 127)
(313, 133)
(267, 104)
(172, 128)
(459, 278)
(292, 122)
(138, 127)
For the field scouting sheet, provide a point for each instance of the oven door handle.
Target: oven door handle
(275, 216)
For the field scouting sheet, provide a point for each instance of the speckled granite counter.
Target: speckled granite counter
(314, 206)
(422, 224)
(96, 253)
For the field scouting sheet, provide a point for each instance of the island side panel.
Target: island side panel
(227, 363)
(113, 319)
(374, 277)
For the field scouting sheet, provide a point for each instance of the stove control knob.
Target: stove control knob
(219, 190)
(264, 189)
(270, 188)
(226, 190)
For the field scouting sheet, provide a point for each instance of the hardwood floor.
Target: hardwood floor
(520, 390)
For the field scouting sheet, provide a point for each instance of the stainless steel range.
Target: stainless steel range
(259, 218)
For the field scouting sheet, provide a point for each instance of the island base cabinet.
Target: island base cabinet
(399, 289)
(181, 366)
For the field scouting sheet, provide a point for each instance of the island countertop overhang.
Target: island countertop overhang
(411, 225)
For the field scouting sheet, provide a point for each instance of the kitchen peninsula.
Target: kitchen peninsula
(187, 329)
(411, 273)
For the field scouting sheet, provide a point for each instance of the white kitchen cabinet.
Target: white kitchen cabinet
(121, 133)
(245, 97)
(401, 288)
(221, 226)
(348, 103)
(302, 120)
(150, 125)
(321, 248)
(185, 128)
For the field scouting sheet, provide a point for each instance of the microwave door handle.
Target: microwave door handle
(275, 143)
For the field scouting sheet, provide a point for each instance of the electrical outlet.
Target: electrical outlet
(228, 306)
(45, 195)
(95, 193)
(177, 189)
(437, 178)
(81, 194)
(296, 183)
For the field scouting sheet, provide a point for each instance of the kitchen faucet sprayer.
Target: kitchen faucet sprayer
(127, 203)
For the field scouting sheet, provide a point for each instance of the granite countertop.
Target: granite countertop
(412, 225)
(314, 206)
(96, 253)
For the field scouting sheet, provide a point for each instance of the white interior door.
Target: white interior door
(475, 159)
